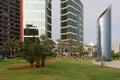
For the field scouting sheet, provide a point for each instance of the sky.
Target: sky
(92, 10)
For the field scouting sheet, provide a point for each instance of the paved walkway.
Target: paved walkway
(113, 64)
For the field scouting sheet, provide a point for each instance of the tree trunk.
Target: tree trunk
(31, 65)
(43, 61)
(11, 54)
(62, 52)
(37, 63)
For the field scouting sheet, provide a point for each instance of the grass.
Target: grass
(67, 69)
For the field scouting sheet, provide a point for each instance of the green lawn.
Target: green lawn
(67, 69)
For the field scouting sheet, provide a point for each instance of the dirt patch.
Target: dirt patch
(25, 66)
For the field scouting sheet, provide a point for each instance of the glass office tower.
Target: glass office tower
(9, 20)
(38, 14)
(104, 35)
(72, 20)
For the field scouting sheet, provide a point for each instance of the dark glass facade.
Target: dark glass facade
(72, 20)
(104, 35)
(48, 19)
(31, 30)
(38, 13)
(9, 20)
(31, 33)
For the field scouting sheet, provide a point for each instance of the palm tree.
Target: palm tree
(42, 39)
(89, 51)
(48, 45)
(11, 46)
(31, 52)
(28, 54)
(71, 43)
(37, 50)
(1, 47)
(61, 47)
(18, 47)
(74, 49)
(80, 49)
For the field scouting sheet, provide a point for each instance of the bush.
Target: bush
(116, 56)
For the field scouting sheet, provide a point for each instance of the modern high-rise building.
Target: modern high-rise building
(72, 20)
(104, 35)
(9, 20)
(38, 14)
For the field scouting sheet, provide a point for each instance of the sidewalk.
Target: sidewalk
(113, 64)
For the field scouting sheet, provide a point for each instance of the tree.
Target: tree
(48, 45)
(61, 47)
(28, 54)
(74, 49)
(37, 50)
(72, 45)
(115, 56)
(80, 50)
(11, 46)
(31, 51)
(89, 51)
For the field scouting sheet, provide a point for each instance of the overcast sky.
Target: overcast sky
(92, 10)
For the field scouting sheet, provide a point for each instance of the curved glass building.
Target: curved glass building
(104, 35)
(37, 13)
(72, 20)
